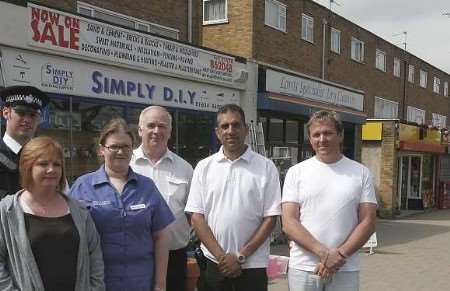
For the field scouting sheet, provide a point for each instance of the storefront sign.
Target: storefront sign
(305, 88)
(56, 30)
(64, 76)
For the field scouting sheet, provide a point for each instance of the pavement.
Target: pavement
(413, 254)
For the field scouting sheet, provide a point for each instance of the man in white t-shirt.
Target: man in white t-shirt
(329, 211)
(172, 175)
(234, 201)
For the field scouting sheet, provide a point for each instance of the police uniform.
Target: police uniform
(21, 99)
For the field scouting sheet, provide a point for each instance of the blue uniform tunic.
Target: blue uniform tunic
(125, 224)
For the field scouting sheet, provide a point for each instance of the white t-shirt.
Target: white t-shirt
(172, 176)
(329, 196)
(235, 196)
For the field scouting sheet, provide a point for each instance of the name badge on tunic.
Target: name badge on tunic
(101, 203)
(137, 206)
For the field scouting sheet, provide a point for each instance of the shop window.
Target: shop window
(196, 136)
(292, 131)
(275, 15)
(335, 41)
(385, 108)
(276, 129)
(214, 11)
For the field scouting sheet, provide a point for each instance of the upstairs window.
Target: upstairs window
(416, 115)
(423, 79)
(397, 67)
(438, 120)
(411, 74)
(445, 88)
(275, 15)
(385, 108)
(335, 44)
(125, 20)
(357, 50)
(436, 85)
(214, 11)
(307, 28)
(380, 60)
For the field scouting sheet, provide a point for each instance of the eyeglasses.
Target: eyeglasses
(116, 148)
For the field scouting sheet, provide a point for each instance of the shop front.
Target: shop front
(404, 159)
(85, 96)
(285, 103)
(94, 71)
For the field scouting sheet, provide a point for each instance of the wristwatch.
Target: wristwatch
(241, 258)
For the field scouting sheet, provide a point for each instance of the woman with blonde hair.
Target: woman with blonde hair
(48, 241)
(130, 214)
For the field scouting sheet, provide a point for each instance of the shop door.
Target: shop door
(410, 182)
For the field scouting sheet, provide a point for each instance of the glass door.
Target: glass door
(410, 182)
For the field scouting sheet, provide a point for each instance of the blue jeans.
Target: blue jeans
(308, 281)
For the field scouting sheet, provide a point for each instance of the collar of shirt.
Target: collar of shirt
(140, 155)
(246, 156)
(12, 143)
(101, 177)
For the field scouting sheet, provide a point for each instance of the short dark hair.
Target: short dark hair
(323, 115)
(115, 125)
(230, 108)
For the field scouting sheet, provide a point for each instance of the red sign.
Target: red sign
(51, 27)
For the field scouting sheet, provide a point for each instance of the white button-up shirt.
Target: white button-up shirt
(235, 197)
(172, 175)
(12, 143)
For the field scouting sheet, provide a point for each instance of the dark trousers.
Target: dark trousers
(250, 280)
(176, 270)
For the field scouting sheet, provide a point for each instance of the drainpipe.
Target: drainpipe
(324, 30)
(189, 22)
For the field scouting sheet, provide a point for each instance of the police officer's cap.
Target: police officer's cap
(23, 98)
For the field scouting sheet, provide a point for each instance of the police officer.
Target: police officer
(22, 107)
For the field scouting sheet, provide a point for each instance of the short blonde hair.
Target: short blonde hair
(32, 151)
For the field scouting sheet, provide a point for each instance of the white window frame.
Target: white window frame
(137, 23)
(423, 81)
(335, 40)
(416, 115)
(218, 20)
(436, 85)
(385, 109)
(380, 60)
(446, 88)
(397, 67)
(280, 14)
(438, 120)
(357, 53)
(307, 29)
(411, 73)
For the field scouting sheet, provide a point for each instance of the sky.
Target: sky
(428, 30)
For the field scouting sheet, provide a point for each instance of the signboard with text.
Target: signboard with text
(56, 30)
(72, 77)
(296, 86)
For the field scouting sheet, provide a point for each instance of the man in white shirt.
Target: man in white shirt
(329, 210)
(234, 202)
(22, 107)
(172, 175)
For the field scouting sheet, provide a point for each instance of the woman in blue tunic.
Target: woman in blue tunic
(130, 214)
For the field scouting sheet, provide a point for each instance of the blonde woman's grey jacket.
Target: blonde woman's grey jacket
(18, 269)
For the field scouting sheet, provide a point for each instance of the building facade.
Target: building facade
(322, 60)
